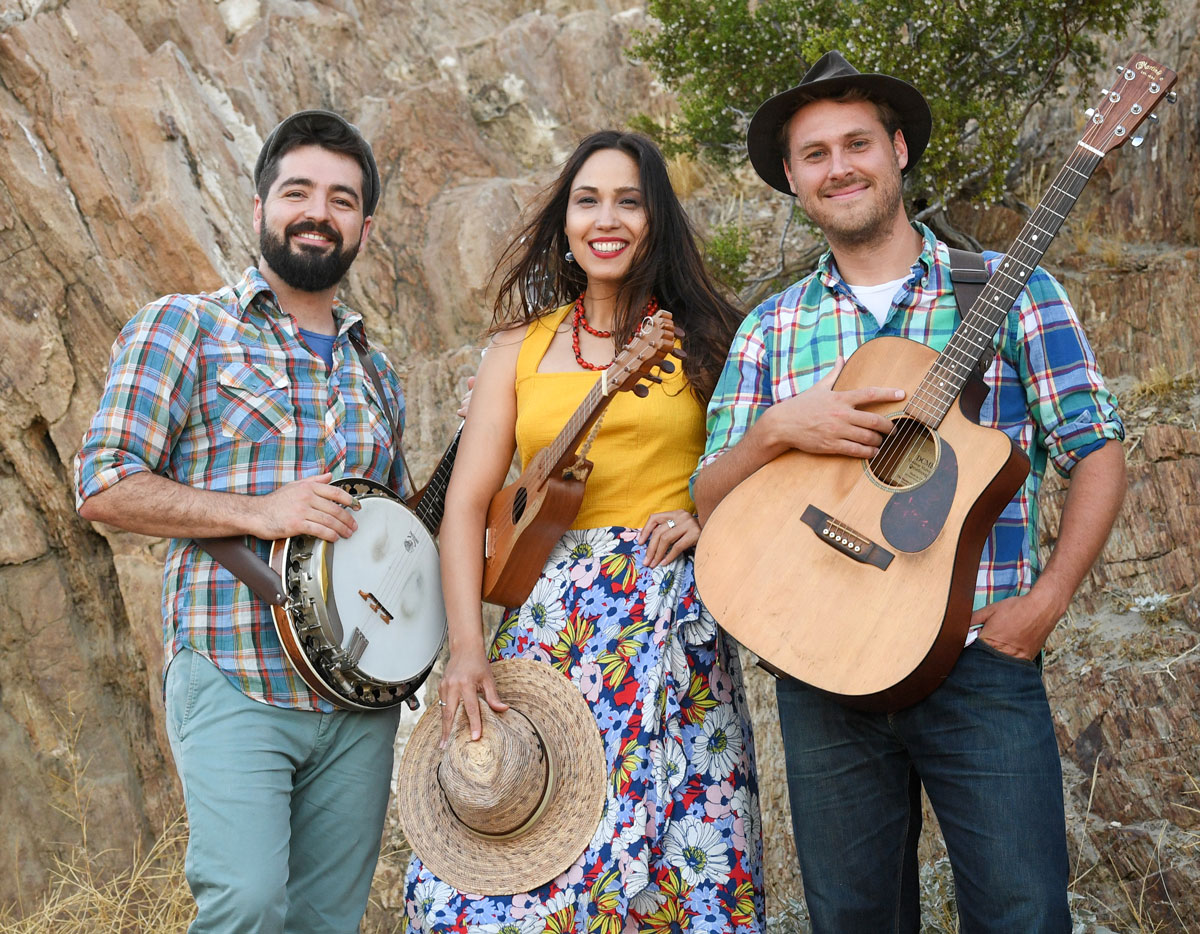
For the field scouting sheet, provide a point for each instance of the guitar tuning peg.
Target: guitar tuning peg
(1137, 141)
(667, 366)
(1104, 92)
(641, 391)
(680, 353)
(1172, 97)
(680, 332)
(1153, 118)
(1089, 112)
(653, 377)
(1120, 71)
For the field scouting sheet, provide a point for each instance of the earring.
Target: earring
(570, 257)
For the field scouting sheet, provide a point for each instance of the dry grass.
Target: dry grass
(1159, 386)
(150, 895)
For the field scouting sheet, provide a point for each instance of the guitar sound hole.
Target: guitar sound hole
(907, 457)
(518, 508)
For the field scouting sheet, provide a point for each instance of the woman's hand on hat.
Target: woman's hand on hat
(468, 675)
(667, 535)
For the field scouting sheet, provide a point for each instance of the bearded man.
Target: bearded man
(982, 743)
(230, 413)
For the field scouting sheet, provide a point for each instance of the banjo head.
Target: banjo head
(383, 585)
(366, 618)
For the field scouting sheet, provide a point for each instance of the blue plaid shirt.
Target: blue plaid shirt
(1046, 393)
(217, 391)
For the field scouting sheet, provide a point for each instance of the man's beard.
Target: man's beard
(868, 222)
(305, 268)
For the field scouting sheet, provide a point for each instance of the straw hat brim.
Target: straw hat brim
(505, 866)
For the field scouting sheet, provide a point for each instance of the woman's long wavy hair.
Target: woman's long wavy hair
(667, 265)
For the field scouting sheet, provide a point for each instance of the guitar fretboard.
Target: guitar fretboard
(974, 336)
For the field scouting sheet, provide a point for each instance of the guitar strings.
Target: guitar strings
(1081, 165)
(956, 361)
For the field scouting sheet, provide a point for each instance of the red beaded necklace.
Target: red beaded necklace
(579, 319)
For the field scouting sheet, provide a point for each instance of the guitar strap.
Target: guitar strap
(969, 274)
(232, 552)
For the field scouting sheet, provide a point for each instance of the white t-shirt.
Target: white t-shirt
(877, 299)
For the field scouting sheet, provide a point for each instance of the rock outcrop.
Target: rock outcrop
(129, 130)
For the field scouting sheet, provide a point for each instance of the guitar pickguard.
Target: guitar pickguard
(913, 519)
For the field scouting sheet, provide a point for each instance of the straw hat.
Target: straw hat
(516, 808)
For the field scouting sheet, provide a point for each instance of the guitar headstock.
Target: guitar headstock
(1139, 87)
(653, 341)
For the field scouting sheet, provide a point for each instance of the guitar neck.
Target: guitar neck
(973, 338)
(563, 447)
(432, 505)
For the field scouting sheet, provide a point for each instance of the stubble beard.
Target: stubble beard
(861, 224)
(304, 268)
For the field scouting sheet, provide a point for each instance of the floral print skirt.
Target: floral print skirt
(679, 845)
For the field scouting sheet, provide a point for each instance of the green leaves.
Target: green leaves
(981, 64)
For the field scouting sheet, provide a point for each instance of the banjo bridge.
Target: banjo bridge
(376, 607)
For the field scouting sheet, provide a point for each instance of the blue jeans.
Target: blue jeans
(983, 746)
(285, 807)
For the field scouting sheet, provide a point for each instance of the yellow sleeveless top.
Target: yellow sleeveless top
(645, 451)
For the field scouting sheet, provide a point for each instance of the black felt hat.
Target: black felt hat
(306, 122)
(831, 75)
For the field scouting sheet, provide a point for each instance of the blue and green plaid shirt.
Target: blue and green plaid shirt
(217, 391)
(1046, 393)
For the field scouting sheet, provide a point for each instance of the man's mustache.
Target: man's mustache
(325, 230)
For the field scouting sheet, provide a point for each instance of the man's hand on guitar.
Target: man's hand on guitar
(1017, 626)
(824, 420)
(669, 535)
(468, 675)
(308, 506)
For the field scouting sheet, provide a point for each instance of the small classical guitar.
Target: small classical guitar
(857, 576)
(527, 518)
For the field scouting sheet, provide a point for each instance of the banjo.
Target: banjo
(362, 619)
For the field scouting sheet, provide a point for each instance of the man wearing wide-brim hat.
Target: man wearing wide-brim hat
(982, 743)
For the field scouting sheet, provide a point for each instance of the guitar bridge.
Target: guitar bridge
(844, 539)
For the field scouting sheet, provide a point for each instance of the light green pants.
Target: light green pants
(285, 807)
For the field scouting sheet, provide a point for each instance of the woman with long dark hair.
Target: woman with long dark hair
(615, 609)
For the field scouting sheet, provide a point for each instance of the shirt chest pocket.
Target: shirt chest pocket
(256, 402)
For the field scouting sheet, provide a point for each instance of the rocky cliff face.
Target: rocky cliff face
(129, 130)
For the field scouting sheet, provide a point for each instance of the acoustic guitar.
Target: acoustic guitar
(527, 518)
(857, 576)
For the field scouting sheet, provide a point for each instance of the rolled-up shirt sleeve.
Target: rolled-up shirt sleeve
(1073, 410)
(742, 394)
(146, 398)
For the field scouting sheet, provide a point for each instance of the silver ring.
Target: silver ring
(670, 523)
(441, 703)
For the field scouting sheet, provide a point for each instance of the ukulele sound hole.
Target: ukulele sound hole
(518, 508)
(907, 457)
